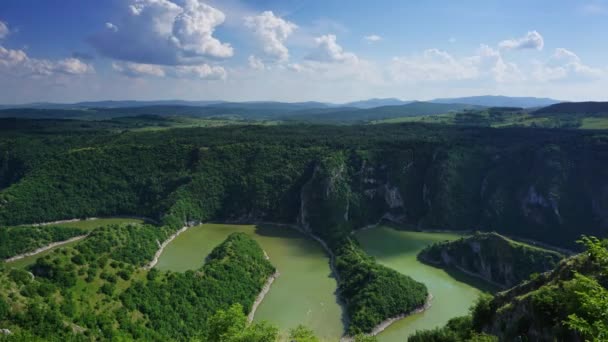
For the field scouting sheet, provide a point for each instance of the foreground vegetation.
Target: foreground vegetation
(98, 289)
(568, 304)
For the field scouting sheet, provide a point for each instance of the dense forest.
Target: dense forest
(541, 184)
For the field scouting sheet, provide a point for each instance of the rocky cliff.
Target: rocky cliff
(492, 257)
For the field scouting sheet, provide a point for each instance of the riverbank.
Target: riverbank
(159, 252)
(388, 322)
(45, 248)
(262, 295)
(52, 223)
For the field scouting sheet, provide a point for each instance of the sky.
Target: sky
(301, 50)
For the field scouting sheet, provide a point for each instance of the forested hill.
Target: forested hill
(595, 108)
(548, 185)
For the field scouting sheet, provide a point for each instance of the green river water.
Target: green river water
(302, 294)
(453, 293)
(305, 292)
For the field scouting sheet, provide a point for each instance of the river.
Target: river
(304, 293)
(453, 293)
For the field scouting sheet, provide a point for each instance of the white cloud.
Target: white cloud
(595, 8)
(328, 50)
(438, 66)
(532, 40)
(272, 32)
(138, 70)
(256, 63)
(4, 31)
(203, 72)
(18, 63)
(373, 38)
(432, 65)
(564, 54)
(164, 32)
(73, 66)
(111, 27)
(193, 30)
(565, 64)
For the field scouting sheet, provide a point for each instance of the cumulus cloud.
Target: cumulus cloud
(72, 66)
(138, 70)
(193, 30)
(432, 65)
(532, 40)
(436, 65)
(164, 32)
(328, 50)
(4, 31)
(565, 64)
(18, 63)
(373, 38)
(272, 32)
(256, 63)
(203, 72)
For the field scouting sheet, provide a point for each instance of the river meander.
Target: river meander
(453, 293)
(304, 293)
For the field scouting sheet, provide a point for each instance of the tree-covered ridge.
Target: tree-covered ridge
(177, 305)
(372, 292)
(91, 181)
(538, 184)
(566, 304)
(97, 289)
(493, 257)
(19, 240)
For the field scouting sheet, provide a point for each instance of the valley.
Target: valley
(124, 278)
(304, 292)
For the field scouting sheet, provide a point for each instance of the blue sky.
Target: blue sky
(299, 50)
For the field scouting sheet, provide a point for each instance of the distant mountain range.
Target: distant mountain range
(486, 101)
(312, 112)
(373, 103)
(346, 115)
(501, 101)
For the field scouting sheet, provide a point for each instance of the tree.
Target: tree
(231, 326)
(302, 334)
(4, 309)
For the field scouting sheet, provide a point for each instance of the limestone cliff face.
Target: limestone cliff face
(492, 257)
(545, 194)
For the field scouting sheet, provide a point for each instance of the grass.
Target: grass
(595, 123)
